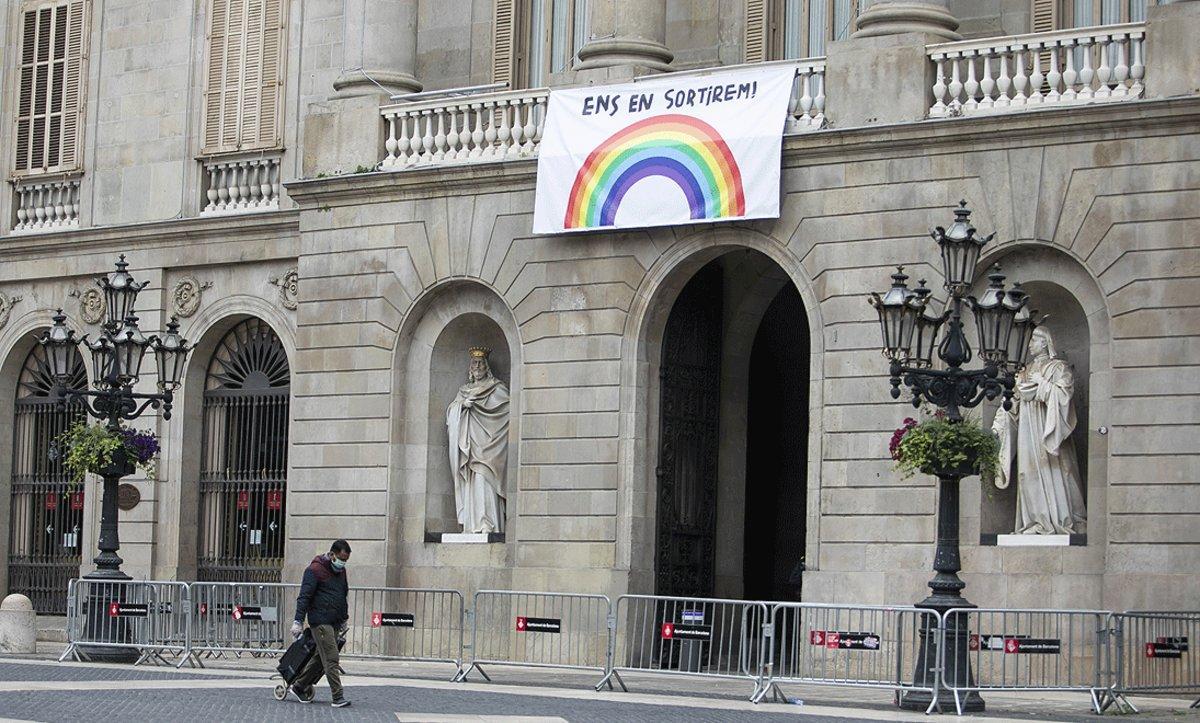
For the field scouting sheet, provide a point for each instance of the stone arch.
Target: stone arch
(1061, 285)
(182, 450)
(17, 340)
(642, 351)
(452, 314)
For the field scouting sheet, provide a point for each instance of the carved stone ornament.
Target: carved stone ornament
(6, 305)
(91, 306)
(185, 299)
(289, 289)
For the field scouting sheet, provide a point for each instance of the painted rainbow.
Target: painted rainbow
(683, 149)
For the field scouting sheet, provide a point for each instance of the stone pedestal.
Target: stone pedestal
(380, 49)
(1172, 53)
(878, 80)
(18, 625)
(630, 38)
(342, 135)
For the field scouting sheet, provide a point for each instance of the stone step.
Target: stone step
(52, 628)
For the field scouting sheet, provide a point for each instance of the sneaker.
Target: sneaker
(340, 703)
(301, 695)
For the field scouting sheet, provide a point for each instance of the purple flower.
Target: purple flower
(142, 445)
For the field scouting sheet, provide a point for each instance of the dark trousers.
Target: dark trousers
(325, 661)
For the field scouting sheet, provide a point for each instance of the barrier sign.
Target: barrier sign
(400, 620)
(1167, 647)
(51, 500)
(991, 642)
(1043, 646)
(693, 617)
(838, 640)
(215, 609)
(684, 631)
(252, 612)
(128, 610)
(538, 625)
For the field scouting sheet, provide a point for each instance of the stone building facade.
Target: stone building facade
(333, 244)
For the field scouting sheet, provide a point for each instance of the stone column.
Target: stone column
(629, 37)
(379, 48)
(881, 74)
(1172, 55)
(893, 17)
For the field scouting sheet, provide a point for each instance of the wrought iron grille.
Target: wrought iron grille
(46, 517)
(243, 475)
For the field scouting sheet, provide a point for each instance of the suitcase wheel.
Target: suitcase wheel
(280, 692)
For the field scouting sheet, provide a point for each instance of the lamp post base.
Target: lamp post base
(957, 670)
(103, 589)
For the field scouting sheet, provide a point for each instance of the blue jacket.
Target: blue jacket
(323, 593)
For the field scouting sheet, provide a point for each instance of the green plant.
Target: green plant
(939, 445)
(91, 448)
(364, 169)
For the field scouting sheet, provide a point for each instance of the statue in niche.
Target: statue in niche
(1036, 434)
(477, 422)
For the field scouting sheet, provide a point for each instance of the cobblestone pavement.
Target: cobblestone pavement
(42, 690)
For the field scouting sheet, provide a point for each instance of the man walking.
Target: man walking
(322, 599)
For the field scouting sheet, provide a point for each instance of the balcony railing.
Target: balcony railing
(508, 125)
(241, 184)
(998, 75)
(46, 205)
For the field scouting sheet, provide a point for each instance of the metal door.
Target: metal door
(687, 456)
(243, 475)
(46, 517)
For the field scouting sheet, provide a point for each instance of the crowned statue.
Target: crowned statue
(1036, 435)
(477, 422)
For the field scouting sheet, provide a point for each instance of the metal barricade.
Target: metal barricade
(858, 646)
(242, 617)
(688, 636)
(1028, 649)
(406, 624)
(1152, 654)
(150, 617)
(540, 629)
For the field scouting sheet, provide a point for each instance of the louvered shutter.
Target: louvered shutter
(50, 88)
(1044, 16)
(244, 75)
(502, 42)
(756, 31)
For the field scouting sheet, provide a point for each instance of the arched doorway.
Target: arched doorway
(243, 468)
(46, 516)
(731, 467)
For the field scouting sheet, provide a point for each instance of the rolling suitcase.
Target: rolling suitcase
(295, 658)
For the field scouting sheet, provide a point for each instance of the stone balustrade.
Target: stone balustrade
(508, 125)
(998, 75)
(241, 184)
(45, 205)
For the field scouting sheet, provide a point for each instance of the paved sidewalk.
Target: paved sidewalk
(233, 688)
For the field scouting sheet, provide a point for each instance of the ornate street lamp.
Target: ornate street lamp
(117, 355)
(910, 330)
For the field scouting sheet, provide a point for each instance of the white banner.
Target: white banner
(664, 151)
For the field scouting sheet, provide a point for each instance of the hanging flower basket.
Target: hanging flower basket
(96, 449)
(940, 447)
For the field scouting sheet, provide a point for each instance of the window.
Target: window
(551, 34)
(777, 29)
(1057, 14)
(50, 87)
(244, 80)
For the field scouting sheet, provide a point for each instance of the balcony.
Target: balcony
(243, 183)
(46, 205)
(508, 125)
(1071, 67)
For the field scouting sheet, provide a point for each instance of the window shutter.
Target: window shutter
(756, 31)
(244, 75)
(1044, 16)
(502, 42)
(50, 87)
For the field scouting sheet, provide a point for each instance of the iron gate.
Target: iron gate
(688, 439)
(243, 475)
(46, 517)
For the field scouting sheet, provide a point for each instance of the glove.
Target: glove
(341, 631)
(297, 630)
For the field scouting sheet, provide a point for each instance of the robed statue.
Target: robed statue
(1036, 435)
(477, 422)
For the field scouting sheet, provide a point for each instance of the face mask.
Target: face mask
(338, 564)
